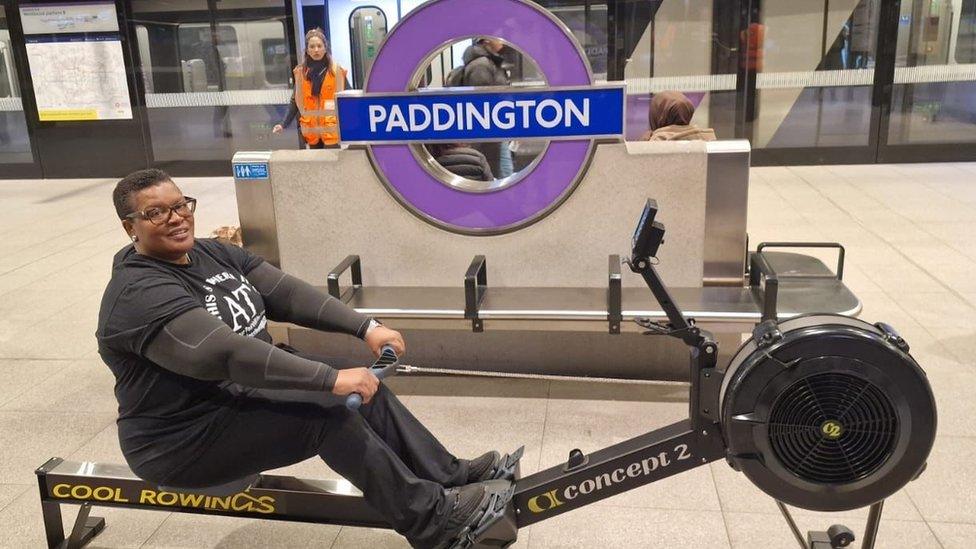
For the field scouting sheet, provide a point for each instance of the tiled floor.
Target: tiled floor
(911, 259)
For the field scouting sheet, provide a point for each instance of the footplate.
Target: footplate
(497, 527)
(508, 466)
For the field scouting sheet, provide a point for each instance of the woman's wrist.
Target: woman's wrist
(373, 323)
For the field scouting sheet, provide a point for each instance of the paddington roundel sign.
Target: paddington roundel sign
(570, 111)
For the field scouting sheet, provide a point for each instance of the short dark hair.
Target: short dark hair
(133, 183)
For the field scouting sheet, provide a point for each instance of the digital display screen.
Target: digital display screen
(640, 226)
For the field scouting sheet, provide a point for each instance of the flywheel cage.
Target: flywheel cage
(832, 428)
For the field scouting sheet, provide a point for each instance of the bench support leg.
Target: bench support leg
(85, 528)
(53, 527)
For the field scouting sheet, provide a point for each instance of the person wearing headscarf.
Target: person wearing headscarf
(670, 120)
(317, 81)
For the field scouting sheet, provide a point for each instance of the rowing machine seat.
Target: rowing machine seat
(220, 490)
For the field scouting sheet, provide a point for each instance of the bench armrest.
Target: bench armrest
(614, 300)
(352, 264)
(765, 283)
(475, 284)
(839, 273)
(764, 279)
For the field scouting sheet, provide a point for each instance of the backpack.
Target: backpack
(455, 78)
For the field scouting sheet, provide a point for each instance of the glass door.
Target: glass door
(812, 95)
(367, 29)
(687, 46)
(16, 155)
(587, 20)
(77, 87)
(933, 96)
(842, 81)
(216, 76)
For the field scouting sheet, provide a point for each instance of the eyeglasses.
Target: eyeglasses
(160, 215)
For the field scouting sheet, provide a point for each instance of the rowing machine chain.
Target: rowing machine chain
(665, 328)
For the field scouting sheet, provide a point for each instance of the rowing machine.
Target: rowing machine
(822, 412)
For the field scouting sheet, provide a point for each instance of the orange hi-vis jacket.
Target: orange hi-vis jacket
(319, 119)
(751, 46)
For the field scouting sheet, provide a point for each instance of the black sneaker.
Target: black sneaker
(466, 505)
(492, 466)
(483, 467)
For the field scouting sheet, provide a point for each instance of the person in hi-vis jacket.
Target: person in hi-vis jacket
(317, 81)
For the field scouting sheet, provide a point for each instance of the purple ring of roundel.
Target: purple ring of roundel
(537, 35)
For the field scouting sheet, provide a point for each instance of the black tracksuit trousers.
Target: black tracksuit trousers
(382, 449)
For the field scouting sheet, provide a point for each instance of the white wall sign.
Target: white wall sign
(75, 55)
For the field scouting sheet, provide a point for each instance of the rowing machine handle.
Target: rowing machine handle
(385, 366)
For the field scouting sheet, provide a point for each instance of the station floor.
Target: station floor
(911, 259)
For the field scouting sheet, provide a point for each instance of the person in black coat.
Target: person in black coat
(483, 67)
(462, 160)
(483, 64)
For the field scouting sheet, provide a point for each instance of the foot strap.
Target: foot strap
(492, 514)
(508, 465)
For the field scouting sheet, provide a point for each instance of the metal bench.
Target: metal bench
(788, 283)
(779, 285)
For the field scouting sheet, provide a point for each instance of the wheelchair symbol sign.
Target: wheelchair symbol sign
(251, 171)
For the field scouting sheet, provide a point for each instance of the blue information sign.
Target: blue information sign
(251, 171)
(466, 116)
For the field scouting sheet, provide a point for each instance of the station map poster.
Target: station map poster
(74, 50)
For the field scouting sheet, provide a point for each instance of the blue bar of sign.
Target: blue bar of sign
(465, 116)
(73, 37)
(251, 171)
